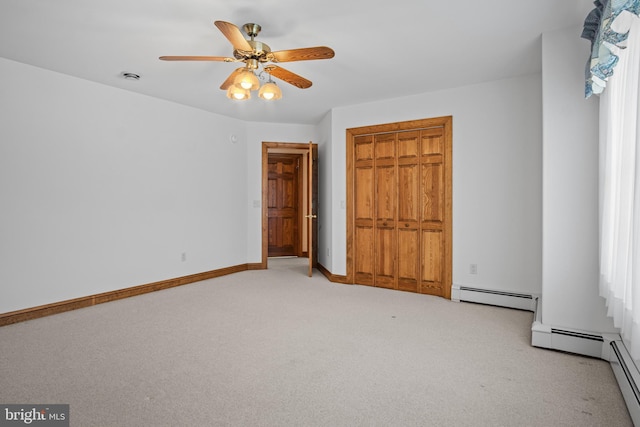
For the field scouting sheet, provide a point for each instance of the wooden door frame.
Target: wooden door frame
(446, 122)
(266, 146)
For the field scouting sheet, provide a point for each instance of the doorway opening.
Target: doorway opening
(289, 201)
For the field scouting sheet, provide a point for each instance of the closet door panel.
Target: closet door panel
(385, 194)
(364, 259)
(385, 257)
(408, 225)
(408, 259)
(408, 193)
(431, 262)
(432, 141)
(385, 226)
(385, 146)
(432, 210)
(364, 197)
(408, 145)
(364, 194)
(363, 149)
(386, 201)
(432, 192)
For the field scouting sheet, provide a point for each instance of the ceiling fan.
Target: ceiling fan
(254, 54)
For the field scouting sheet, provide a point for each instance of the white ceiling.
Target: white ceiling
(384, 48)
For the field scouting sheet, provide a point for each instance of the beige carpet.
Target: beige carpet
(276, 348)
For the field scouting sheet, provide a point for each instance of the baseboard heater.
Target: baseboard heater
(604, 346)
(580, 335)
(572, 341)
(628, 378)
(493, 297)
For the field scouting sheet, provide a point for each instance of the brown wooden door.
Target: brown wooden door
(399, 236)
(283, 205)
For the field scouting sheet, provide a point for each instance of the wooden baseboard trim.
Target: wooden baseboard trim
(332, 277)
(90, 300)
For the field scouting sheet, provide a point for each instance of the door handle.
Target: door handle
(311, 216)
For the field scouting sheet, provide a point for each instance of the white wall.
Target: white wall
(497, 143)
(325, 191)
(570, 188)
(103, 189)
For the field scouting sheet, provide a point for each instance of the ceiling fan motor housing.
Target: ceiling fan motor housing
(260, 52)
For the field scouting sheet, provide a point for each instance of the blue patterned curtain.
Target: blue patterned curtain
(604, 41)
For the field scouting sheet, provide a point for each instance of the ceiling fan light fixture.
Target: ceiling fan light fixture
(238, 93)
(270, 92)
(255, 54)
(247, 80)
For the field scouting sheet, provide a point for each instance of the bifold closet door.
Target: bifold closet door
(399, 210)
(399, 192)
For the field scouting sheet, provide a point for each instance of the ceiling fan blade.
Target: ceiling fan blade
(288, 76)
(225, 85)
(234, 35)
(304, 54)
(197, 58)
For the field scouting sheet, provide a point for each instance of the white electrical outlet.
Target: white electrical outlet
(184, 256)
(473, 268)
